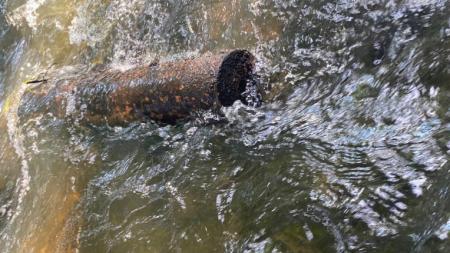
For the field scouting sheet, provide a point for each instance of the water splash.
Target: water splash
(348, 152)
(28, 13)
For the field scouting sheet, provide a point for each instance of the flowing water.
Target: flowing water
(348, 153)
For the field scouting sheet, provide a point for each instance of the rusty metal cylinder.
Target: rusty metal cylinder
(165, 92)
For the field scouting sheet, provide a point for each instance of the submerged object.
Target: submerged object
(164, 92)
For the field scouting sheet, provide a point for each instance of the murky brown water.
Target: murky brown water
(348, 154)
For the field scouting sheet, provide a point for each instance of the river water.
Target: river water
(349, 152)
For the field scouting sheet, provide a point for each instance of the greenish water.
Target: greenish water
(349, 153)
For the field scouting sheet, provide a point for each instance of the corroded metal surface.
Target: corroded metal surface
(164, 92)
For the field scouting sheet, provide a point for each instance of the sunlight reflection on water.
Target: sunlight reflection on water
(349, 152)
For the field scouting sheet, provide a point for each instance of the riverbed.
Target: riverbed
(348, 153)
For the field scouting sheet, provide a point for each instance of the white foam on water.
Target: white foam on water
(82, 28)
(97, 22)
(30, 12)
(417, 185)
(420, 3)
(16, 138)
(174, 191)
(223, 201)
(443, 231)
(71, 104)
(309, 234)
(365, 212)
(26, 13)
